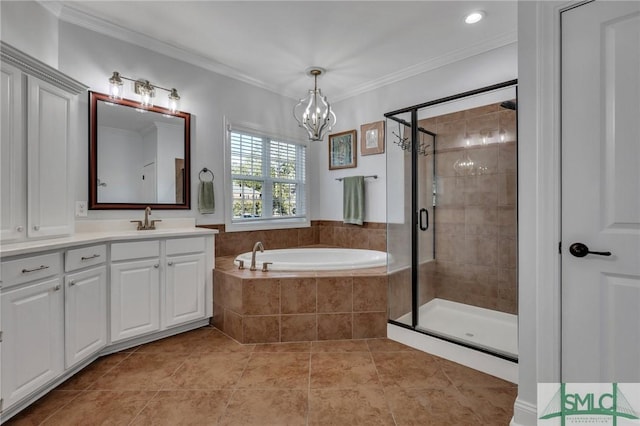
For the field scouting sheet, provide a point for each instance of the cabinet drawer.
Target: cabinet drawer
(83, 257)
(185, 245)
(135, 250)
(30, 269)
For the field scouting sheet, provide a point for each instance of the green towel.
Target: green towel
(206, 200)
(353, 200)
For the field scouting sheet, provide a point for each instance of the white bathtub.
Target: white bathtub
(316, 259)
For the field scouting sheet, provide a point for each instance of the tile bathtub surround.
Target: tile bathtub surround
(257, 307)
(209, 379)
(371, 236)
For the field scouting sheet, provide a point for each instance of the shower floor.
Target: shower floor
(482, 328)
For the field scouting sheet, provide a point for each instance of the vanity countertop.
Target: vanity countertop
(98, 234)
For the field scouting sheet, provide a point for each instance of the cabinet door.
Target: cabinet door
(85, 321)
(32, 351)
(49, 180)
(13, 171)
(185, 289)
(135, 298)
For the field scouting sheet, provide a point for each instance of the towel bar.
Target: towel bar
(370, 176)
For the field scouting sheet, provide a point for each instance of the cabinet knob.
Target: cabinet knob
(156, 266)
(56, 288)
(20, 228)
(72, 283)
(36, 227)
(170, 263)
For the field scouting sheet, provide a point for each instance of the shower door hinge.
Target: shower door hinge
(560, 247)
(0, 336)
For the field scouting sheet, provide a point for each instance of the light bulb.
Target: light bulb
(115, 86)
(174, 101)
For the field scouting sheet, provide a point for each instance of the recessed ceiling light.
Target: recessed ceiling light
(474, 17)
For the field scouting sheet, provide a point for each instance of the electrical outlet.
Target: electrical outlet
(81, 209)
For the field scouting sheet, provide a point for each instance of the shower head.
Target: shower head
(509, 105)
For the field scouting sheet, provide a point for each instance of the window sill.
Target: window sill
(267, 225)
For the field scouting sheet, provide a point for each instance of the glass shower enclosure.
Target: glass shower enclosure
(452, 218)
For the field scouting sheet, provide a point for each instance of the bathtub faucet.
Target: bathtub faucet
(256, 246)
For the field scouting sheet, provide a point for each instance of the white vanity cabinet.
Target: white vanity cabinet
(38, 129)
(85, 322)
(185, 281)
(32, 304)
(157, 284)
(64, 303)
(135, 289)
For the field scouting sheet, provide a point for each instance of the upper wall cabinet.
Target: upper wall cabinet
(39, 118)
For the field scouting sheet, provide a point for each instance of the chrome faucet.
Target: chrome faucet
(256, 246)
(146, 226)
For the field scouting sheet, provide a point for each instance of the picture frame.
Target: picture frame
(372, 138)
(342, 150)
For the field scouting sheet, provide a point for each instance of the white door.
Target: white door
(50, 188)
(185, 289)
(135, 298)
(32, 351)
(149, 184)
(85, 319)
(601, 192)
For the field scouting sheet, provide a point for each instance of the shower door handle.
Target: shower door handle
(424, 219)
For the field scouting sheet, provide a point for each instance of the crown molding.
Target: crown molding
(74, 16)
(32, 66)
(432, 64)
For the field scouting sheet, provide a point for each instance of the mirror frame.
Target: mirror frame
(94, 204)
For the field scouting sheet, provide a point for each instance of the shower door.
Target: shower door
(410, 217)
(452, 218)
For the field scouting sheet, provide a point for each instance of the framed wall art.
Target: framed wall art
(372, 138)
(342, 150)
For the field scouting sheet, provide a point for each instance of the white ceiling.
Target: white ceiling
(361, 44)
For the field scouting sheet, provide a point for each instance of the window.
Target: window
(267, 181)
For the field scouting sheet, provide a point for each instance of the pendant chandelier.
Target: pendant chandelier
(313, 113)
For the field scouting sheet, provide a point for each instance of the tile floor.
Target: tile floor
(205, 378)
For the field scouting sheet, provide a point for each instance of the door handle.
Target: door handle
(581, 250)
(424, 219)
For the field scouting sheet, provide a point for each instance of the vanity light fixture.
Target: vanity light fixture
(313, 113)
(146, 90)
(475, 17)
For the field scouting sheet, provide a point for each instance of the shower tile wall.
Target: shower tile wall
(475, 219)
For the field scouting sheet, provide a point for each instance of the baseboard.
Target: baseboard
(524, 414)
